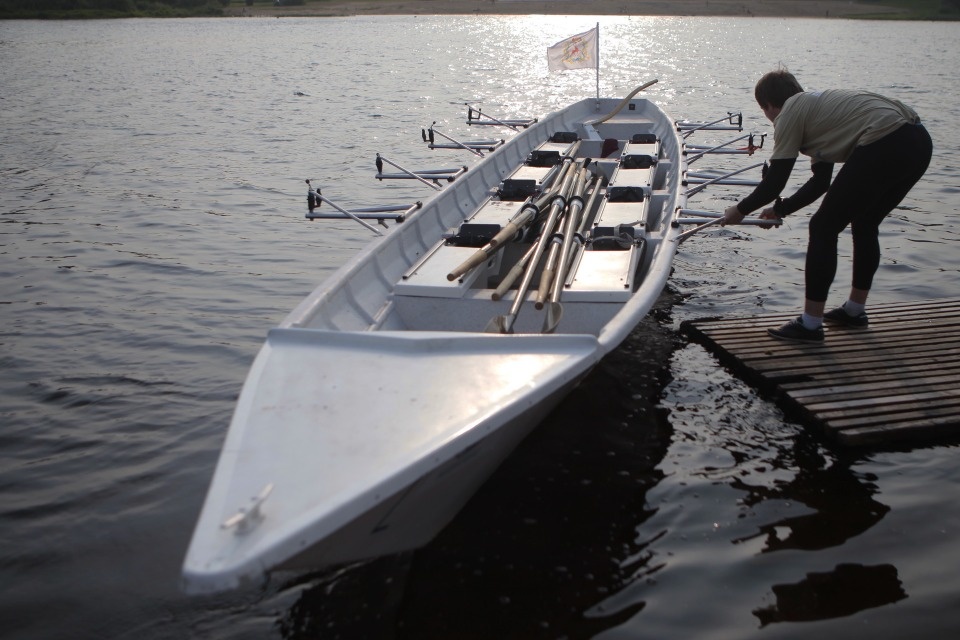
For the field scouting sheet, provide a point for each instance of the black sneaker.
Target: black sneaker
(795, 331)
(840, 316)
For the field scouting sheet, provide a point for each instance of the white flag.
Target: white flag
(576, 52)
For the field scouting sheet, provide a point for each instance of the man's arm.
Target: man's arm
(812, 189)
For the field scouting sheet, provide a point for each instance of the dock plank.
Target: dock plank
(893, 381)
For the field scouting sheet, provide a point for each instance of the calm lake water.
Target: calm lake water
(152, 231)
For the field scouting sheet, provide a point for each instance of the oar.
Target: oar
(504, 323)
(513, 274)
(554, 308)
(686, 234)
(498, 242)
(524, 218)
(561, 243)
(624, 102)
(554, 313)
(549, 269)
(549, 190)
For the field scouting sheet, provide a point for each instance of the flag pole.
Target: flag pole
(598, 66)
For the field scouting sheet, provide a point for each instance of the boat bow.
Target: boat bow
(392, 421)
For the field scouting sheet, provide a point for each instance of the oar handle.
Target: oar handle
(472, 262)
(496, 242)
(511, 228)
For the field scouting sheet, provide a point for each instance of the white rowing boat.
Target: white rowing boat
(389, 395)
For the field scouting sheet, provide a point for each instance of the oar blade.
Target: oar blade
(500, 324)
(552, 319)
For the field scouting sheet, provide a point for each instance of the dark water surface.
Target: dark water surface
(152, 231)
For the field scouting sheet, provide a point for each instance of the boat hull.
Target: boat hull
(363, 461)
(411, 518)
(390, 394)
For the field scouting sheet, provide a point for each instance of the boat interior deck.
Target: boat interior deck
(622, 216)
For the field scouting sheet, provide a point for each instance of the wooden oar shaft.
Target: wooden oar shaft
(526, 215)
(523, 219)
(554, 313)
(474, 261)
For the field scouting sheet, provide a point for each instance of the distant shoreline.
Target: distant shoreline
(747, 8)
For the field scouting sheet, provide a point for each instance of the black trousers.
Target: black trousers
(872, 182)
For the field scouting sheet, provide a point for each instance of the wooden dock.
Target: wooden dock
(895, 381)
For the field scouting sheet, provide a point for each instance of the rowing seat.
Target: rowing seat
(543, 158)
(635, 172)
(605, 273)
(604, 276)
(429, 276)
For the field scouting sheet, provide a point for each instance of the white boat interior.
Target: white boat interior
(632, 207)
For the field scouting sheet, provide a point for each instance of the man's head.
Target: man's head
(773, 89)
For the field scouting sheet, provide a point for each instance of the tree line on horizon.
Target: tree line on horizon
(109, 8)
(59, 9)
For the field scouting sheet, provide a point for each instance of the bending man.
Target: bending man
(884, 150)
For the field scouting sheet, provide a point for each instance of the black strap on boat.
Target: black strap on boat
(514, 189)
(638, 161)
(472, 234)
(564, 137)
(644, 138)
(625, 194)
(616, 238)
(544, 158)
